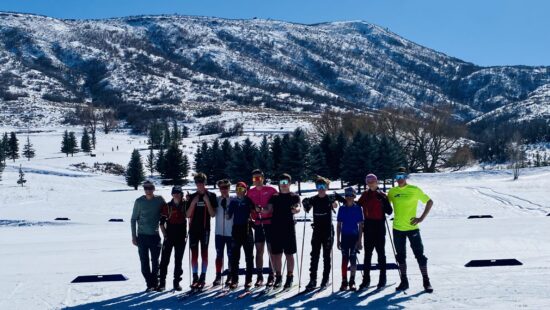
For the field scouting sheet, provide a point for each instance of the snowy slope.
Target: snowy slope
(40, 257)
(50, 65)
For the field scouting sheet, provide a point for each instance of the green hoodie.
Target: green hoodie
(146, 214)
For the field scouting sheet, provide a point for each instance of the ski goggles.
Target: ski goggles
(241, 189)
(284, 182)
(257, 179)
(224, 188)
(401, 176)
(321, 187)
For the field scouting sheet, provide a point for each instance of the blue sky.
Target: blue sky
(485, 32)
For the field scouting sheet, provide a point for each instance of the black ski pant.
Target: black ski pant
(322, 238)
(400, 240)
(149, 244)
(374, 239)
(242, 238)
(178, 244)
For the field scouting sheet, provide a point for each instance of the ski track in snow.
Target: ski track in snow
(507, 199)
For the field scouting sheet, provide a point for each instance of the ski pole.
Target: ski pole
(302, 253)
(223, 241)
(393, 246)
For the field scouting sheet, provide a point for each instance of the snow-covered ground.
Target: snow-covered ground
(39, 256)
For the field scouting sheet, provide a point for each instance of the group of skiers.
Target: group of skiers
(263, 218)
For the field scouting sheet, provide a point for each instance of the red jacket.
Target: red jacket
(374, 204)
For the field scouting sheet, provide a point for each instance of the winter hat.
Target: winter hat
(242, 184)
(177, 190)
(350, 192)
(371, 177)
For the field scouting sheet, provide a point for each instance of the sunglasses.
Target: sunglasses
(241, 189)
(400, 176)
(321, 186)
(257, 179)
(224, 188)
(284, 182)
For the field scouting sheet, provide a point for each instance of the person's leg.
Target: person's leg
(219, 244)
(144, 260)
(249, 257)
(228, 240)
(346, 253)
(155, 254)
(204, 254)
(259, 243)
(179, 250)
(194, 246)
(235, 258)
(165, 260)
(380, 246)
(353, 261)
(368, 243)
(316, 242)
(327, 252)
(418, 249)
(400, 242)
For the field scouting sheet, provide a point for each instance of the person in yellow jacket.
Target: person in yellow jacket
(405, 198)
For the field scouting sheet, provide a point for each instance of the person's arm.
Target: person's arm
(386, 206)
(192, 206)
(338, 232)
(209, 205)
(133, 222)
(427, 209)
(230, 210)
(296, 207)
(306, 204)
(359, 244)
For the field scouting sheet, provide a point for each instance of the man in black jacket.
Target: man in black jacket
(323, 230)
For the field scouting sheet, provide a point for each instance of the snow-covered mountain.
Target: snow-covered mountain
(48, 65)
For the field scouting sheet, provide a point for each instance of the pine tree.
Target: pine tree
(73, 144)
(13, 147)
(326, 148)
(85, 144)
(295, 155)
(166, 137)
(21, 181)
(2, 166)
(353, 165)
(185, 132)
(5, 147)
(337, 151)
(277, 156)
(176, 135)
(201, 158)
(134, 172)
(160, 165)
(174, 172)
(217, 163)
(65, 144)
(28, 150)
(150, 163)
(317, 162)
(155, 135)
(263, 159)
(186, 168)
(3, 151)
(238, 169)
(390, 158)
(227, 151)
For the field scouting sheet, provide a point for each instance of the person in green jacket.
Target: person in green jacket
(405, 198)
(146, 215)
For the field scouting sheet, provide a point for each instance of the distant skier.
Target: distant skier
(202, 206)
(173, 225)
(323, 230)
(348, 235)
(223, 237)
(240, 209)
(260, 195)
(146, 216)
(283, 206)
(405, 199)
(375, 205)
